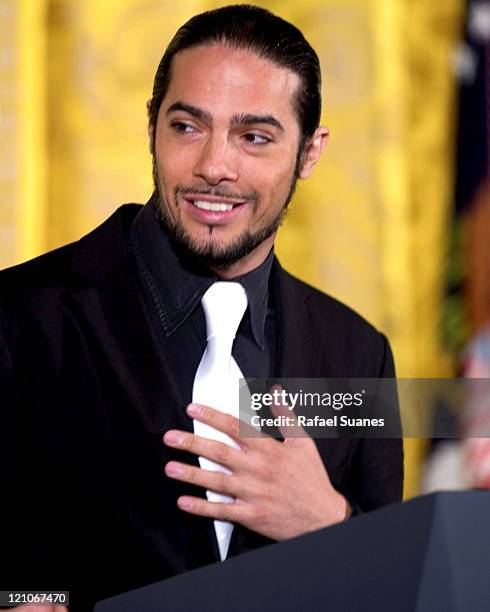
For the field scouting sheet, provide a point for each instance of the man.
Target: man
(102, 339)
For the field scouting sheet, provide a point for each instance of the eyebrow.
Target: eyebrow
(199, 113)
(241, 119)
(248, 119)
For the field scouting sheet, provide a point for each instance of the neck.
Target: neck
(248, 263)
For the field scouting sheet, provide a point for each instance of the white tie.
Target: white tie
(217, 378)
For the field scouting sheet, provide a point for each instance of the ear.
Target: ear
(313, 151)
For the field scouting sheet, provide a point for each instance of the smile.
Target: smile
(213, 206)
(214, 210)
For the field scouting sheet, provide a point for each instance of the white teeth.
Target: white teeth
(213, 206)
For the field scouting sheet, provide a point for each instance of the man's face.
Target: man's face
(226, 147)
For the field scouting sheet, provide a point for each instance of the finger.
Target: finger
(289, 427)
(239, 431)
(213, 481)
(219, 452)
(216, 510)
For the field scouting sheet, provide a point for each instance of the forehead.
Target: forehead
(223, 79)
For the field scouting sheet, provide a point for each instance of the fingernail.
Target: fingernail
(194, 410)
(184, 502)
(174, 469)
(172, 437)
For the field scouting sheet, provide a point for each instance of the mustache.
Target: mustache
(218, 192)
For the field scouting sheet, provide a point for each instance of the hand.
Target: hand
(281, 489)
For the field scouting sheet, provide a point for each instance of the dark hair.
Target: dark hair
(258, 30)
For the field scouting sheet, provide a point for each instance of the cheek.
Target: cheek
(173, 160)
(278, 183)
(268, 177)
(172, 169)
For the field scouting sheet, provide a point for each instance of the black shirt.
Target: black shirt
(173, 289)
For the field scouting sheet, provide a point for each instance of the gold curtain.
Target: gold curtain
(369, 226)
(22, 130)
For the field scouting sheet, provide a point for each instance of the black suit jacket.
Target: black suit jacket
(88, 391)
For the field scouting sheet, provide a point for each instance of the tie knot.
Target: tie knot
(224, 304)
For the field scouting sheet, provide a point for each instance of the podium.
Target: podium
(431, 554)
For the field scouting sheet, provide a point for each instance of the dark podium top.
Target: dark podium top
(429, 554)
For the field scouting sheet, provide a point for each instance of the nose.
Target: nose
(217, 161)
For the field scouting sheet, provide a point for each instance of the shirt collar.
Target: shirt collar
(256, 285)
(177, 288)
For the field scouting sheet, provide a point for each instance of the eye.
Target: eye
(256, 140)
(182, 128)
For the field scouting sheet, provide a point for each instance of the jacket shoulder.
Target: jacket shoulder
(331, 309)
(65, 266)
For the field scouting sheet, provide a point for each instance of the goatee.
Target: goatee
(211, 255)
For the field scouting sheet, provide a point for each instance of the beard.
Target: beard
(211, 255)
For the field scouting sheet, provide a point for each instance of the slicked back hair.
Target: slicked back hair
(248, 27)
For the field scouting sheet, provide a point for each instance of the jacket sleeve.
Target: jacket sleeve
(376, 474)
(31, 544)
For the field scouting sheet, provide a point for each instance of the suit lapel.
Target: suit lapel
(116, 320)
(300, 339)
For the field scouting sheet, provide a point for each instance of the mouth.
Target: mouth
(210, 209)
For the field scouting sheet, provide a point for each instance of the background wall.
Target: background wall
(370, 227)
